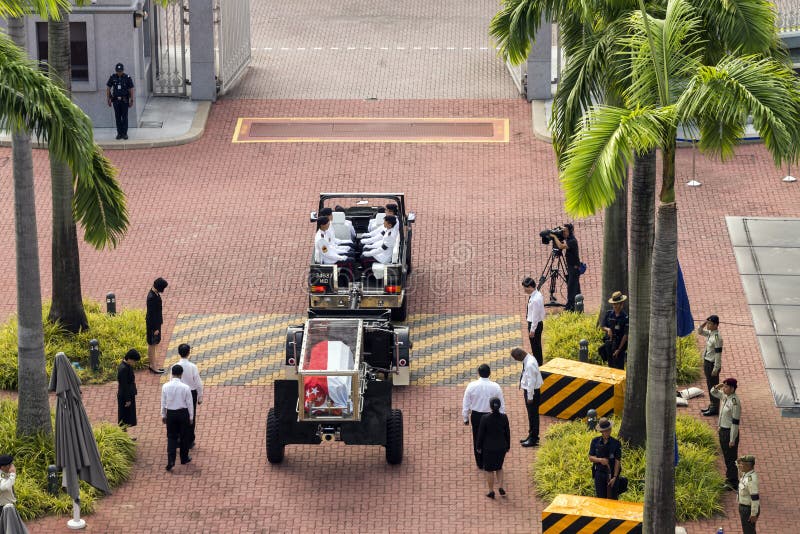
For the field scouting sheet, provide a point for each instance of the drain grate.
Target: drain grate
(375, 130)
(151, 124)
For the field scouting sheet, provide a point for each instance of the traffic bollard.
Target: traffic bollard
(94, 354)
(583, 350)
(111, 304)
(579, 303)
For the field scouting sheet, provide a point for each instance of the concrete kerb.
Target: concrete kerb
(194, 133)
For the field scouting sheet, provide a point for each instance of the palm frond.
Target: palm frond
(31, 102)
(601, 151)
(745, 25)
(723, 96)
(514, 26)
(43, 8)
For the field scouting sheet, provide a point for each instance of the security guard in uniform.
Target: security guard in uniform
(749, 502)
(120, 95)
(729, 417)
(712, 360)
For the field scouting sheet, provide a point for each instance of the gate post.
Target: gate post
(201, 46)
(539, 63)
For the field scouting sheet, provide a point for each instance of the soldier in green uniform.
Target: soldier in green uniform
(749, 502)
(729, 417)
(712, 359)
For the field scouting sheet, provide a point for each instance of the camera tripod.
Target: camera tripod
(555, 270)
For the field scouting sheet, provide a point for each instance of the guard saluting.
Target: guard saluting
(120, 94)
(749, 502)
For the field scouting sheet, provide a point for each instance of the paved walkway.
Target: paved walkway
(227, 225)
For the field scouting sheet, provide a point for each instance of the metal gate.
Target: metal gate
(170, 45)
(232, 41)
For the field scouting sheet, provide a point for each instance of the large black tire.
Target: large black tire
(394, 437)
(400, 314)
(275, 448)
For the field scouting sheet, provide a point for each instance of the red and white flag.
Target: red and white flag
(328, 356)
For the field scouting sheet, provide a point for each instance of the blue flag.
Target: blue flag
(682, 308)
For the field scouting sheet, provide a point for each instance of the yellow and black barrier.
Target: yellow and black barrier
(571, 388)
(573, 514)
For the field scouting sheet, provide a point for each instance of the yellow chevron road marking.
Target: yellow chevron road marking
(183, 325)
(227, 327)
(462, 366)
(246, 367)
(447, 321)
(441, 355)
(422, 344)
(257, 334)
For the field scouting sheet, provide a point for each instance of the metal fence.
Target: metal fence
(232, 41)
(170, 45)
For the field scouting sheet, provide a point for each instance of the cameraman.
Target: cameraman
(570, 244)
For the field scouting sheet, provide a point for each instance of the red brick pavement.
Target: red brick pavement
(227, 226)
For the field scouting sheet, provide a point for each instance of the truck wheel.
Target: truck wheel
(400, 314)
(274, 446)
(394, 437)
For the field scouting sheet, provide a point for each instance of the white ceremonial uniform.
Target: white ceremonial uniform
(331, 237)
(373, 241)
(531, 378)
(175, 395)
(349, 224)
(383, 250)
(535, 309)
(325, 251)
(477, 396)
(191, 377)
(7, 488)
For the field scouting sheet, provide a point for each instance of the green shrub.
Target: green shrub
(116, 334)
(563, 331)
(562, 466)
(32, 455)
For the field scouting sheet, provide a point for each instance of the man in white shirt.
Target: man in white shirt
(8, 475)
(327, 251)
(530, 381)
(341, 245)
(376, 223)
(191, 377)
(177, 412)
(535, 318)
(476, 400)
(383, 249)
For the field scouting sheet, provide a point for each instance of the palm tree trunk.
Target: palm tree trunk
(659, 493)
(615, 249)
(643, 200)
(34, 408)
(67, 305)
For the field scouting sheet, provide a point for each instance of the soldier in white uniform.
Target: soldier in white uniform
(382, 250)
(327, 252)
(749, 501)
(375, 224)
(341, 245)
(729, 417)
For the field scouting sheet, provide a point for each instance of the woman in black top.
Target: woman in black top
(126, 390)
(154, 319)
(492, 443)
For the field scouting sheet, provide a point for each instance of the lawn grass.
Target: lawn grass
(32, 456)
(116, 334)
(562, 466)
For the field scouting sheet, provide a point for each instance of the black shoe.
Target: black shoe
(170, 466)
(125, 137)
(119, 137)
(188, 460)
(502, 492)
(530, 442)
(709, 413)
(490, 494)
(524, 439)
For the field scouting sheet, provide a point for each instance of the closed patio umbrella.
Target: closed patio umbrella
(11, 522)
(76, 449)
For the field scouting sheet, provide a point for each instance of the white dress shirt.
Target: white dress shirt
(478, 394)
(329, 233)
(175, 395)
(191, 377)
(535, 309)
(326, 252)
(531, 378)
(383, 250)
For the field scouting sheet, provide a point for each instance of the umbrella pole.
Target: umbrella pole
(76, 523)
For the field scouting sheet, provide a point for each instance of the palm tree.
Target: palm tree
(30, 102)
(67, 306)
(671, 82)
(585, 36)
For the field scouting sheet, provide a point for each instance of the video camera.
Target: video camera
(558, 231)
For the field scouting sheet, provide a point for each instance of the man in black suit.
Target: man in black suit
(126, 390)
(153, 320)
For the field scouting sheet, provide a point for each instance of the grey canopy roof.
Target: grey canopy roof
(76, 449)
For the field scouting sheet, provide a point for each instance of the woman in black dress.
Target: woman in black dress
(493, 442)
(126, 390)
(153, 320)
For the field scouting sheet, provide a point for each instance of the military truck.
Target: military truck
(340, 369)
(377, 287)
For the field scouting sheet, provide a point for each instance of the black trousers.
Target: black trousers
(536, 342)
(475, 420)
(177, 434)
(601, 489)
(711, 381)
(121, 116)
(193, 424)
(533, 413)
(744, 515)
(573, 287)
(729, 454)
